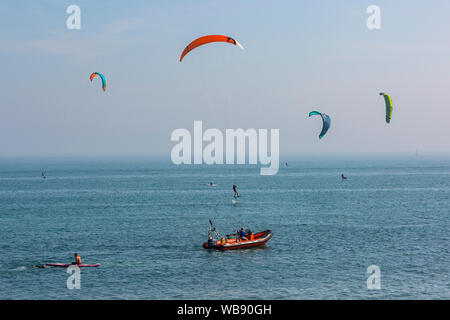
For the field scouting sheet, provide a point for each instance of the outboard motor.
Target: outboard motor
(210, 242)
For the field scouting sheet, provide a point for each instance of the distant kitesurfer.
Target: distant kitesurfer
(77, 259)
(236, 194)
(343, 177)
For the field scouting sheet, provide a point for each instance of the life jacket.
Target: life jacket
(78, 260)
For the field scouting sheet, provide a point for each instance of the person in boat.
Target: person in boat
(236, 194)
(77, 259)
(343, 177)
(243, 234)
(210, 241)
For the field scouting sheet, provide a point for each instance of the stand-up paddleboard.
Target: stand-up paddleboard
(66, 265)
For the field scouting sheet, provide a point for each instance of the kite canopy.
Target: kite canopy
(326, 122)
(208, 39)
(93, 75)
(388, 101)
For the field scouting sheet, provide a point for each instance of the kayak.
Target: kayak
(230, 241)
(66, 265)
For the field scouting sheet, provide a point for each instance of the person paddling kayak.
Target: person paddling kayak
(77, 262)
(67, 265)
(77, 259)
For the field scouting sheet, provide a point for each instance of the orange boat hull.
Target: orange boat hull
(259, 239)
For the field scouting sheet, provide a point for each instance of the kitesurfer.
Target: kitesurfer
(236, 194)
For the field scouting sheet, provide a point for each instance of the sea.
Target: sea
(383, 233)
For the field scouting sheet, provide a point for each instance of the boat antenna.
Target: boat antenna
(212, 230)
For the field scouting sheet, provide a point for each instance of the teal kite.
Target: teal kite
(326, 120)
(94, 74)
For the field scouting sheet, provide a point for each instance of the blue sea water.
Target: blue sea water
(145, 221)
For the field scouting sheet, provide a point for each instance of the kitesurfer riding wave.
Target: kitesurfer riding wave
(236, 194)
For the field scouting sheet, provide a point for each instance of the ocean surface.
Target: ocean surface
(145, 221)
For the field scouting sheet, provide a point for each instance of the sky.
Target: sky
(299, 56)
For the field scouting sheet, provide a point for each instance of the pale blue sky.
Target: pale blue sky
(299, 56)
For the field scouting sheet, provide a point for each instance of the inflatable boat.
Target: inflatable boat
(233, 241)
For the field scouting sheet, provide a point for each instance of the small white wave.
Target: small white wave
(20, 268)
